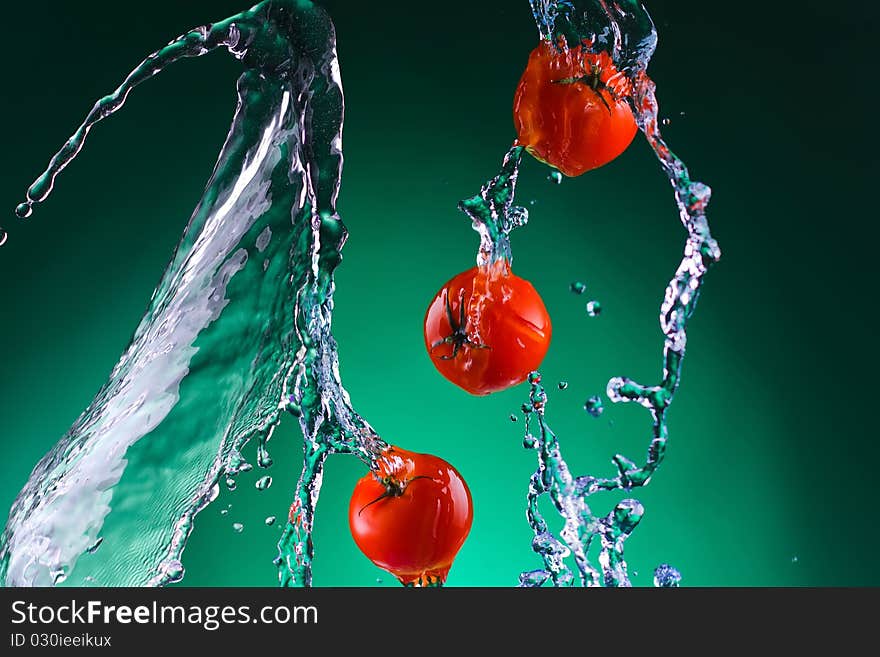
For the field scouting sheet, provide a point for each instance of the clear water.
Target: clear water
(254, 269)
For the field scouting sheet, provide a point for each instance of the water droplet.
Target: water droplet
(794, 559)
(94, 546)
(526, 408)
(578, 288)
(237, 527)
(263, 482)
(682, 114)
(512, 417)
(270, 521)
(223, 512)
(665, 576)
(534, 377)
(263, 458)
(173, 570)
(563, 385)
(532, 202)
(555, 176)
(230, 483)
(3, 237)
(246, 467)
(24, 210)
(518, 215)
(615, 385)
(665, 121)
(594, 308)
(594, 406)
(378, 580)
(529, 441)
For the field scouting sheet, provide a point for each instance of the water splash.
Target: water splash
(181, 404)
(625, 30)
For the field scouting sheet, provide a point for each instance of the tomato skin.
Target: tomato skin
(416, 534)
(570, 125)
(506, 324)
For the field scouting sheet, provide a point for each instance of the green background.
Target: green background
(770, 477)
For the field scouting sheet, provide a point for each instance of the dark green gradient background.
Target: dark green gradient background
(770, 477)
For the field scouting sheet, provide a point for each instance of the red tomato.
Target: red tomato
(412, 516)
(486, 329)
(570, 110)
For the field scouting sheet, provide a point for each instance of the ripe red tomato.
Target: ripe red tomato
(570, 110)
(412, 516)
(486, 329)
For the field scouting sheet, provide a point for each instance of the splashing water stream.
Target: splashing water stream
(239, 329)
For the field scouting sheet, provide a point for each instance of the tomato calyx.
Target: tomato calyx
(594, 81)
(459, 337)
(393, 488)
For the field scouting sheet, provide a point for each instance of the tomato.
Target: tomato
(570, 109)
(411, 516)
(486, 329)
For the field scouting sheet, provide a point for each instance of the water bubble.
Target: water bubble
(666, 577)
(230, 483)
(24, 210)
(512, 417)
(578, 288)
(665, 121)
(263, 482)
(237, 527)
(270, 521)
(594, 406)
(378, 580)
(563, 385)
(532, 202)
(594, 308)
(555, 176)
